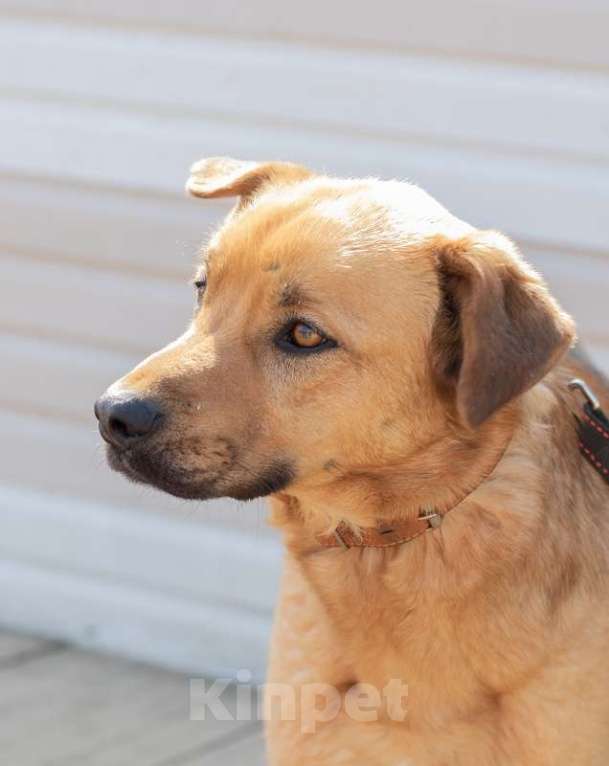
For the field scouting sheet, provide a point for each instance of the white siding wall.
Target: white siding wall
(499, 109)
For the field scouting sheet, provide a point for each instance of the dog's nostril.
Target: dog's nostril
(119, 428)
(125, 420)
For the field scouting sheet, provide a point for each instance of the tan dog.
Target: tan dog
(366, 358)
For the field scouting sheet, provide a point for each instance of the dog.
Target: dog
(396, 381)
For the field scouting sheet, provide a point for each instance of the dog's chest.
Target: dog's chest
(388, 625)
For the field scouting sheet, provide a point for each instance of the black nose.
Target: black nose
(124, 420)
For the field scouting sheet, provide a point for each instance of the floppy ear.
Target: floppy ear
(499, 331)
(225, 177)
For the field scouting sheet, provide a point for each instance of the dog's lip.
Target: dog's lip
(118, 458)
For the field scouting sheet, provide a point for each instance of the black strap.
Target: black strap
(593, 432)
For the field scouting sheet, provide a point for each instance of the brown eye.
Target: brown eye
(200, 284)
(305, 336)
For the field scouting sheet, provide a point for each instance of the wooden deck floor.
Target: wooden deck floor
(60, 706)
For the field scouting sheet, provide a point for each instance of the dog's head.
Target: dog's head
(338, 324)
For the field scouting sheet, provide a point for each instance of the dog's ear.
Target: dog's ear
(498, 330)
(225, 177)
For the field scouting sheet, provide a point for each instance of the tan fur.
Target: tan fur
(449, 349)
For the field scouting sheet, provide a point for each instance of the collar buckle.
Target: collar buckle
(341, 540)
(577, 384)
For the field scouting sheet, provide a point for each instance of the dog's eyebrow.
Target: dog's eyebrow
(292, 295)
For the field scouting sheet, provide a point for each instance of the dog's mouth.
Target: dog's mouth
(143, 468)
(155, 468)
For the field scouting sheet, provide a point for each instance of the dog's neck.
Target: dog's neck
(437, 477)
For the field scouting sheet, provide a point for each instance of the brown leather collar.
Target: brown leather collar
(397, 532)
(382, 536)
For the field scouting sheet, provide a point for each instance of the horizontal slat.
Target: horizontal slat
(112, 544)
(500, 106)
(158, 236)
(88, 305)
(73, 376)
(184, 634)
(104, 229)
(566, 32)
(533, 197)
(52, 455)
